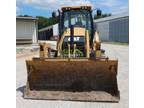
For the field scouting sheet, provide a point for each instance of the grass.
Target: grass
(117, 43)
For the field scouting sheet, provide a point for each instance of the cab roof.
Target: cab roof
(75, 8)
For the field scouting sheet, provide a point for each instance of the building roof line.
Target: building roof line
(27, 18)
(46, 28)
(111, 18)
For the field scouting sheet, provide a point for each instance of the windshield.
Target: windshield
(77, 18)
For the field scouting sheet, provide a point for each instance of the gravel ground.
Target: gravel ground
(24, 50)
(116, 51)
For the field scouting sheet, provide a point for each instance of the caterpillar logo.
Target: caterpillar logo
(75, 39)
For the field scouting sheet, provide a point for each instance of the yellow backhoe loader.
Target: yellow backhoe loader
(79, 69)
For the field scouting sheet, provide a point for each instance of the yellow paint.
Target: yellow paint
(88, 7)
(87, 47)
(98, 53)
(96, 41)
(78, 31)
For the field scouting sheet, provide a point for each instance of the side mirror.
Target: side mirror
(54, 14)
(99, 12)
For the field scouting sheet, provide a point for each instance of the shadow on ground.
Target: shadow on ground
(21, 89)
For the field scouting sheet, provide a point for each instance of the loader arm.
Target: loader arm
(78, 32)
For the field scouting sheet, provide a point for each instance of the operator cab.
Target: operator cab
(78, 17)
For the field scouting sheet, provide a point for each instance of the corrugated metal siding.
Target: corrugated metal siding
(114, 29)
(103, 29)
(46, 34)
(119, 30)
(25, 29)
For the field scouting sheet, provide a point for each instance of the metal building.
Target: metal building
(113, 28)
(48, 33)
(26, 30)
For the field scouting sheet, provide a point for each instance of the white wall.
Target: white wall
(26, 29)
(55, 30)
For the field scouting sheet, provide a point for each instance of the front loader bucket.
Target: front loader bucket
(72, 79)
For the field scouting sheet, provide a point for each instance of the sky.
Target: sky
(45, 7)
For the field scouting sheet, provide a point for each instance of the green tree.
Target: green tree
(24, 16)
(102, 16)
(44, 22)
